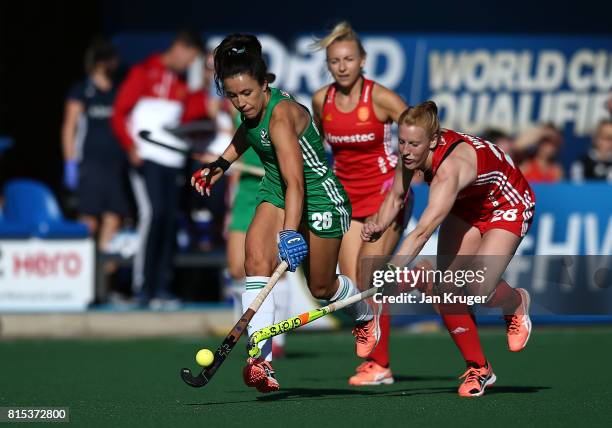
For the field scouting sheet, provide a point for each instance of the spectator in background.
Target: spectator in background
(208, 214)
(203, 103)
(541, 147)
(152, 98)
(94, 164)
(597, 163)
(501, 140)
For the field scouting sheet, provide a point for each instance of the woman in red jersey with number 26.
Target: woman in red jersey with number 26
(484, 207)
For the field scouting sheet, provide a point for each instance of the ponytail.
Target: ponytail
(341, 32)
(424, 115)
(240, 54)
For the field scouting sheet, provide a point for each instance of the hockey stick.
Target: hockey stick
(146, 135)
(238, 166)
(232, 338)
(308, 317)
(303, 319)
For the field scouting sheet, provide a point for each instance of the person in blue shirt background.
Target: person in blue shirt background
(94, 163)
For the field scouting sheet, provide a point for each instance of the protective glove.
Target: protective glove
(292, 248)
(71, 174)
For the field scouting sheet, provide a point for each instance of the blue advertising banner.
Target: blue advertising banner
(565, 260)
(569, 219)
(513, 83)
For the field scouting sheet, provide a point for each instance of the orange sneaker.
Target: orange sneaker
(371, 373)
(367, 334)
(518, 325)
(259, 374)
(476, 379)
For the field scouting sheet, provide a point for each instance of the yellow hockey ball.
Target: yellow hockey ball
(204, 357)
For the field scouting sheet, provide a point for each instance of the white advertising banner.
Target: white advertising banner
(46, 275)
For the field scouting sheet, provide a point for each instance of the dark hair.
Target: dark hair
(100, 50)
(493, 135)
(240, 54)
(189, 38)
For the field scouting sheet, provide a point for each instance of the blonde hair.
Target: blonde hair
(424, 115)
(340, 33)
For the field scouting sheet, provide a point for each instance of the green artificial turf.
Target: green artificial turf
(563, 378)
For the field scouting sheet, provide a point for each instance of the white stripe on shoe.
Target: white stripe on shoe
(143, 202)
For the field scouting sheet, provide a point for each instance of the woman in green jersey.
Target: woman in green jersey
(302, 210)
(244, 203)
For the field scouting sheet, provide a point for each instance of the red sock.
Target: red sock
(464, 332)
(505, 297)
(380, 354)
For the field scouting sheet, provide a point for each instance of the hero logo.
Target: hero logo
(355, 138)
(47, 265)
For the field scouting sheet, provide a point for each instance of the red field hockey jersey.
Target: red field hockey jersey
(361, 144)
(500, 195)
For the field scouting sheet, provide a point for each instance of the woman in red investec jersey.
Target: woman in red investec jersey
(484, 207)
(355, 114)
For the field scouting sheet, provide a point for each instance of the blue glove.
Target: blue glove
(71, 174)
(292, 248)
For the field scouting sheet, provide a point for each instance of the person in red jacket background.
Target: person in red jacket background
(153, 98)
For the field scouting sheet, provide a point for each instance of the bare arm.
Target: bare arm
(284, 137)
(387, 104)
(237, 146)
(204, 179)
(317, 107)
(456, 173)
(391, 206)
(72, 111)
(442, 194)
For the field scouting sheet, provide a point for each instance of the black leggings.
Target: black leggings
(157, 190)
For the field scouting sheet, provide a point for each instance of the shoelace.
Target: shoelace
(361, 335)
(265, 366)
(269, 371)
(472, 374)
(513, 323)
